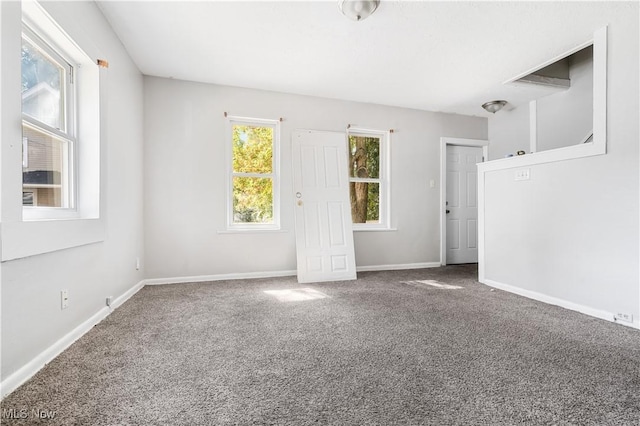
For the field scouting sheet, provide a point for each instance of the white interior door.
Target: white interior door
(462, 203)
(324, 235)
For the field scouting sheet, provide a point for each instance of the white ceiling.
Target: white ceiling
(436, 56)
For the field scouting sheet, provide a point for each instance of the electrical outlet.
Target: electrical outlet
(522, 174)
(64, 299)
(623, 317)
(109, 300)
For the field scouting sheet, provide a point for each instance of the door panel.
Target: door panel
(324, 235)
(453, 234)
(336, 224)
(472, 234)
(472, 188)
(453, 188)
(462, 202)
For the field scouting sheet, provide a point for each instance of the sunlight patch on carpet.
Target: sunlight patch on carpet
(296, 294)
(431, 283)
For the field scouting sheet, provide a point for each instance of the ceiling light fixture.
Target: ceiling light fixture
(494, 106)
(358, 10)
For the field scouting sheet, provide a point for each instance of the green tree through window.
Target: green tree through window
(364, 185)
(253, 173)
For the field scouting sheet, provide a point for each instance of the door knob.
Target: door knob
(298, 195)
(448, 211)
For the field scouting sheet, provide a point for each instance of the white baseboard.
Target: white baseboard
(608, 316)
(273, 274)
(27, 371)
(398, 267)
(218, 277)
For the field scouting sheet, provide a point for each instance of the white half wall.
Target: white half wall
(570, 233)
(33, 323)
(185, 178)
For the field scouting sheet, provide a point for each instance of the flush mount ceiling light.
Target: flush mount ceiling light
(358, 10)
(494, 106)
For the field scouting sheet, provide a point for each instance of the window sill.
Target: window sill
(543, 157)
(31, 238)
(39, 214)
(374, 229)
(252, 231)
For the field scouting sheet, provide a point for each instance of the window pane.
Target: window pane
(252, 200)
(365, 202)
(252, 149)
(42, 80)
(44, 169)
(364, 157)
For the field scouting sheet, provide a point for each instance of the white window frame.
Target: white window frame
(39, 39)
(274, 175)
(28, 231)
(384, 180)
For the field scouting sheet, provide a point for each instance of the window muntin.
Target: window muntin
(368, 186)
(254, 174)
(48, 132)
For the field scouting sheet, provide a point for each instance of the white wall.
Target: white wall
(32, 319)
(185, 178)
(571, 232)
(509, 132)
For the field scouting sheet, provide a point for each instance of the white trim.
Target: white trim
(398, 267)
(384, 179)
(13, 381)
(275, 274)
(481, 236)
(533, 126)
(252, 231)
(597, 313)
(542, 157)
(444, 141)
(219, 277)
(30, 238)
(370, 229)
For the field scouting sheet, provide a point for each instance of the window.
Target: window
(57, 82)
(253, 200)
(368, 178)
(48, 130)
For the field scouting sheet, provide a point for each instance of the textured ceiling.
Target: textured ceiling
(436, 56)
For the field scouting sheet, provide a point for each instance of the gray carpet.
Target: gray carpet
(375, 351)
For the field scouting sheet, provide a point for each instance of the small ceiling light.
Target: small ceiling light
(358, 10)
(494, 106)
